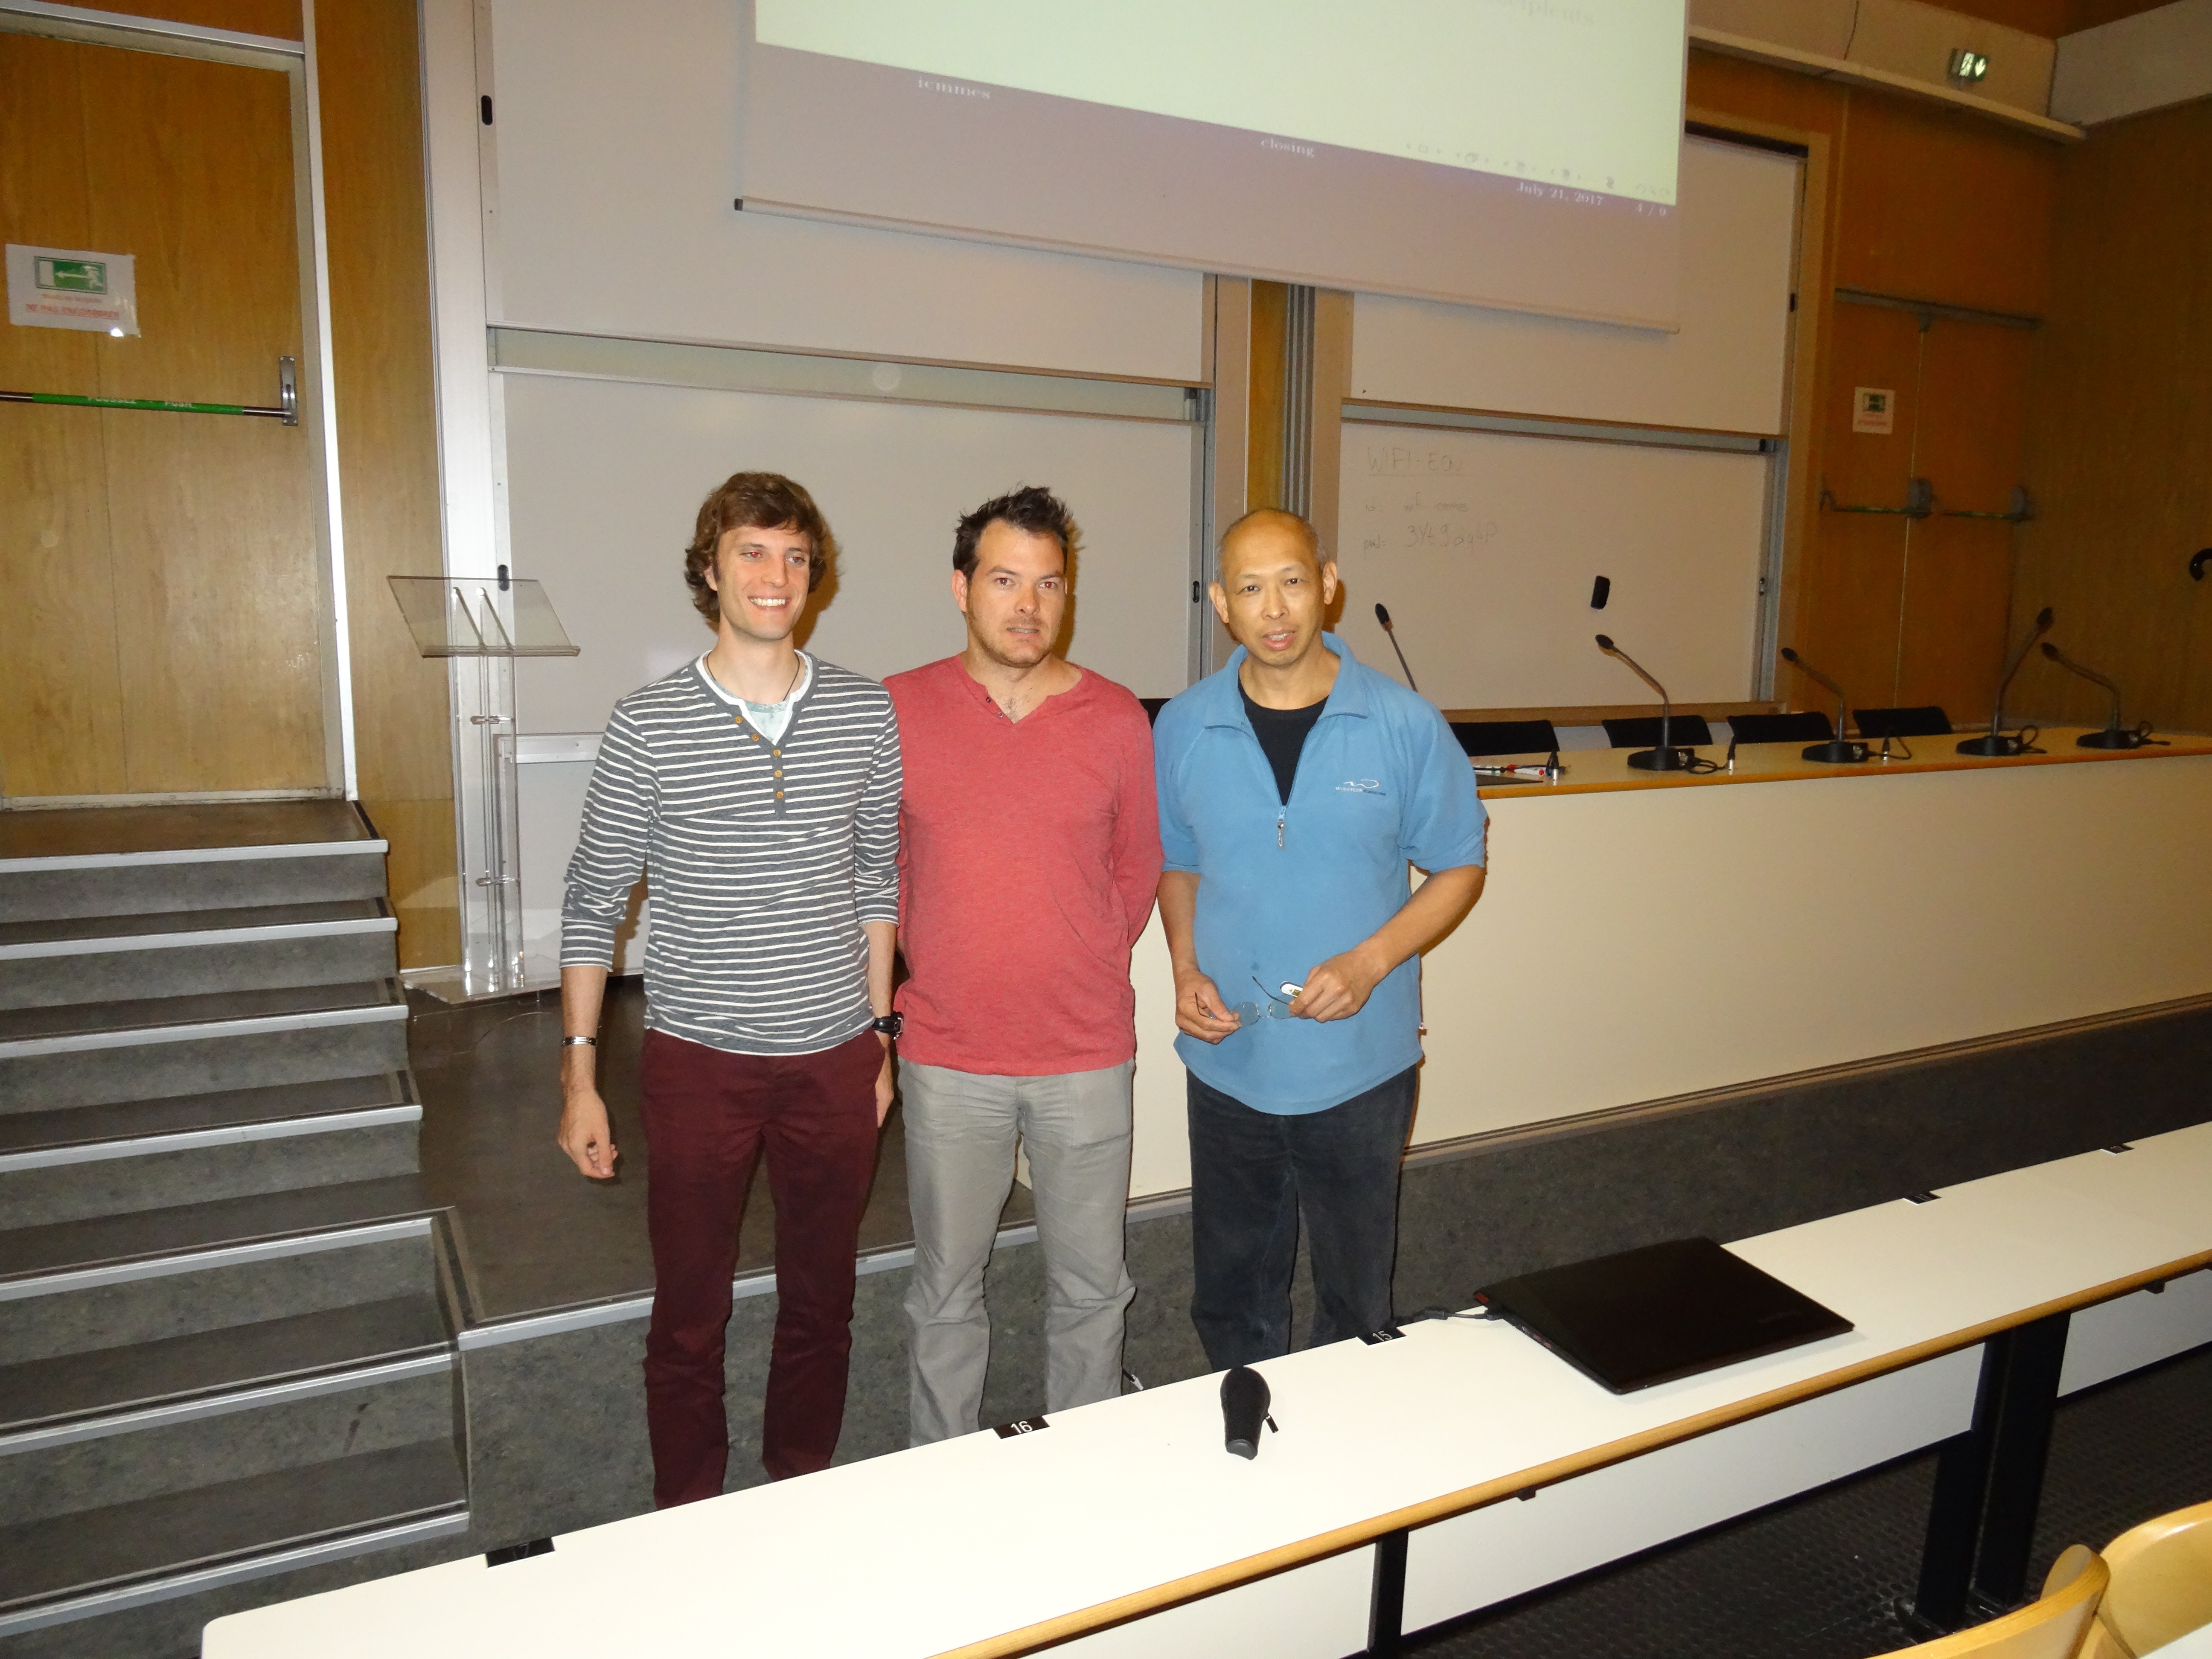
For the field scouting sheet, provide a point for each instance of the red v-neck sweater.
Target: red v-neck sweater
(1029, 854)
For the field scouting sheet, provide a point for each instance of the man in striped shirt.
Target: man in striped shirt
(760, 788)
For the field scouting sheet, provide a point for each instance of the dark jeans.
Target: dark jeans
(1251, 1174)
(709, 1115)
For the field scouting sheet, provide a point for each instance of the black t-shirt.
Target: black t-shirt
(1282, 734)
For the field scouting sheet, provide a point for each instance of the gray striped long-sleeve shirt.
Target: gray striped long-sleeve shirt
(765, 860)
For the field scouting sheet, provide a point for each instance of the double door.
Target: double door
(1909, 609)
(165, 584)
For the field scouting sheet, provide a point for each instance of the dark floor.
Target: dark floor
(1818, 1578)
(39, 833)
(537, 1235)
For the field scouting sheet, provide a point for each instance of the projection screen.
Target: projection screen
(1519, 154)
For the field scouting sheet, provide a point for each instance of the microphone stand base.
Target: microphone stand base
(1662, 760)
(1994, 745)
(2110, 739)
(1836, 752)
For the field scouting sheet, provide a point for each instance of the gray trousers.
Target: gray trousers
(961, 1128)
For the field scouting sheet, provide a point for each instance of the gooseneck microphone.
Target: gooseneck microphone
(2114, 736)
(1666, 757)
(1383, 616)
(1244, 1400)
(1998, 741)
(1837, 751)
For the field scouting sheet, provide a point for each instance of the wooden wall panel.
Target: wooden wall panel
(1970, 438)
(1941, 204)
(2049, 18)
(1270, 404)
(277, 19)
(1723, 86)
(61, 710)
(2120, 435)
(387, 450)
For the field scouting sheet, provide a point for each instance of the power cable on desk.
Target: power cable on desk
(1482, 1314)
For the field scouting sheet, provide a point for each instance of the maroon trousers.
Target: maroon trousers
(709, 1115)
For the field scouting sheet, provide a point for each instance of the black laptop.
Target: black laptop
(1665, 1311)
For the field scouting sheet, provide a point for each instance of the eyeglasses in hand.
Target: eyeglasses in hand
(1275, 1005)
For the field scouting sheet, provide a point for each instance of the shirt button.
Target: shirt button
(779, 794)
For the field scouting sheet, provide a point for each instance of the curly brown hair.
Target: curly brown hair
(761, 501)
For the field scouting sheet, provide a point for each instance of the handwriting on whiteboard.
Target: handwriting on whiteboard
(1407, 461)
(1438, 514)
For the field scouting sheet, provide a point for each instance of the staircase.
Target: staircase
(226, 1329)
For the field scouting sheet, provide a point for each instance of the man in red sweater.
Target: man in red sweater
(1029, 854)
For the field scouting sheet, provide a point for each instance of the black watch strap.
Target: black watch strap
(888, 1025)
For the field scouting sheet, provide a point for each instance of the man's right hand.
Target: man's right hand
(1199, 1009)
(585, 1136)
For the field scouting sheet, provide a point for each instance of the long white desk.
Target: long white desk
(1131, 1508)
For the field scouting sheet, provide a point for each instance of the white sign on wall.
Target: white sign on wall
(72, 288)
(1873, 409)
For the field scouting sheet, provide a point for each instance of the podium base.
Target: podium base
(1836, 752)
(2110, 737)
(1662, 760)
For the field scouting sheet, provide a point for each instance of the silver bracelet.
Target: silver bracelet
(588, 1043)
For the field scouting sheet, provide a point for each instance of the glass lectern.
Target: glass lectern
(493, 620)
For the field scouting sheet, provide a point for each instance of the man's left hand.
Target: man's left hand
(886, 1082)
(1340, 987)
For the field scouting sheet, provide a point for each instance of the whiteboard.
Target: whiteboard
(1723, 371)
(605, 479)
(610, 210)
(1483, 546)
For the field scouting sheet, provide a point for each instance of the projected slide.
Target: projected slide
(1559, 90)
(1509, 153)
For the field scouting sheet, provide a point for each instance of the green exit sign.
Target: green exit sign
(73, 276)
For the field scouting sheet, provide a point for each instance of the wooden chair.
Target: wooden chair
(2051, 1628)
(2161, 1585)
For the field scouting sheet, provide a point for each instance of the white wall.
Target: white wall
(2146, 61)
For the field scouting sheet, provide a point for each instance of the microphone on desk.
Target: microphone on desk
(1383, 616)
(1244, 1401)
(1837, 751)
(2114, 736)
(1998, 741)
(1666, 757)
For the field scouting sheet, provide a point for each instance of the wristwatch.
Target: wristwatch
(888, 1025)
